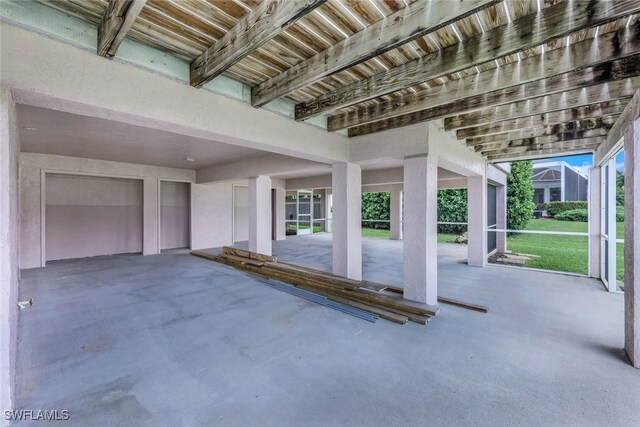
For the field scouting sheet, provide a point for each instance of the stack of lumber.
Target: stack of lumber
(382, 300)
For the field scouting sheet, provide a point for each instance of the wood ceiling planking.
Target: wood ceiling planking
(186, 28)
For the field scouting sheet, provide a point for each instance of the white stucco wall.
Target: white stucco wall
(39, 71)
(31, 168)
(212, 217)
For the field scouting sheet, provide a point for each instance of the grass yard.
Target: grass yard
(558, 253)
(372, 232)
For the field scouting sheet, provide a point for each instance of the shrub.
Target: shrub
(376, 206)
(555, 208)
(452, 207)
(519, 195)
(541, 206)
(576, 215)
(620, 214)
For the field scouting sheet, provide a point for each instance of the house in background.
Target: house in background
(558, 182)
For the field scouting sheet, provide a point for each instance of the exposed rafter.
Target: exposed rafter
(478, 116)
(586, 128)
(116, 22)
(615, 137)
(561, 101)
(538, 142)
(542, 153)
(591, 112)
(268, 20)
(527, 32)
(589, 53)
(407, 24)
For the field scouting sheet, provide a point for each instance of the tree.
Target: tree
(519, 195)
(619, 189)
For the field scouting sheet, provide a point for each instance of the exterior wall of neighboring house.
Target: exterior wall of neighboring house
(558, 181)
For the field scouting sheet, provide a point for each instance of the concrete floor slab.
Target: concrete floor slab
(173, 339)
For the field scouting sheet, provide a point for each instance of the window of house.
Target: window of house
(555, 194)
(538, 196)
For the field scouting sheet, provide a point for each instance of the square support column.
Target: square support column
(395, 214)
(477, 220)
(9, 238)
(279, 221)
(347, 220)
(260, 215)
(632, 242)
(420, 240)
(595, 207)
(501, 217)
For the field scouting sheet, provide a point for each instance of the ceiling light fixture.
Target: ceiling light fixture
(189, 159)
(28, 128)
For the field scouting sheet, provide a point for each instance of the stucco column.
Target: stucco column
(150, 195)
(420, 237)
(329, 210)
(595, 208)
(501, 217)
(395, 215)
(477, 220)
(347, 214)
(279, 224)
(9, 273)
(632, 242)
(260, 215)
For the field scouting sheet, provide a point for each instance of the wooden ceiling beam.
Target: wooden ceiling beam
(542, 153)
(502, 98)
(268, 20)
(117, 20)
(531, 142)
(403, 26)
(589, 112)
(542, 144)
(615, 139)
(527, 32)
(623, 45)
(588, 127)
(606, 92)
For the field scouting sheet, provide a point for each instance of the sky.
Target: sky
(584, 161)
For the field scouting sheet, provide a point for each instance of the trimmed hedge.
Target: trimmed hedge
(452, 207)
(582, 215)
(576, 215)
(555, 208)
(376, 206)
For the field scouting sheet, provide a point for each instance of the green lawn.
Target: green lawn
(372, 232)
(559, 253)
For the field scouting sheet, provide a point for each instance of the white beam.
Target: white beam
(144, 98)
